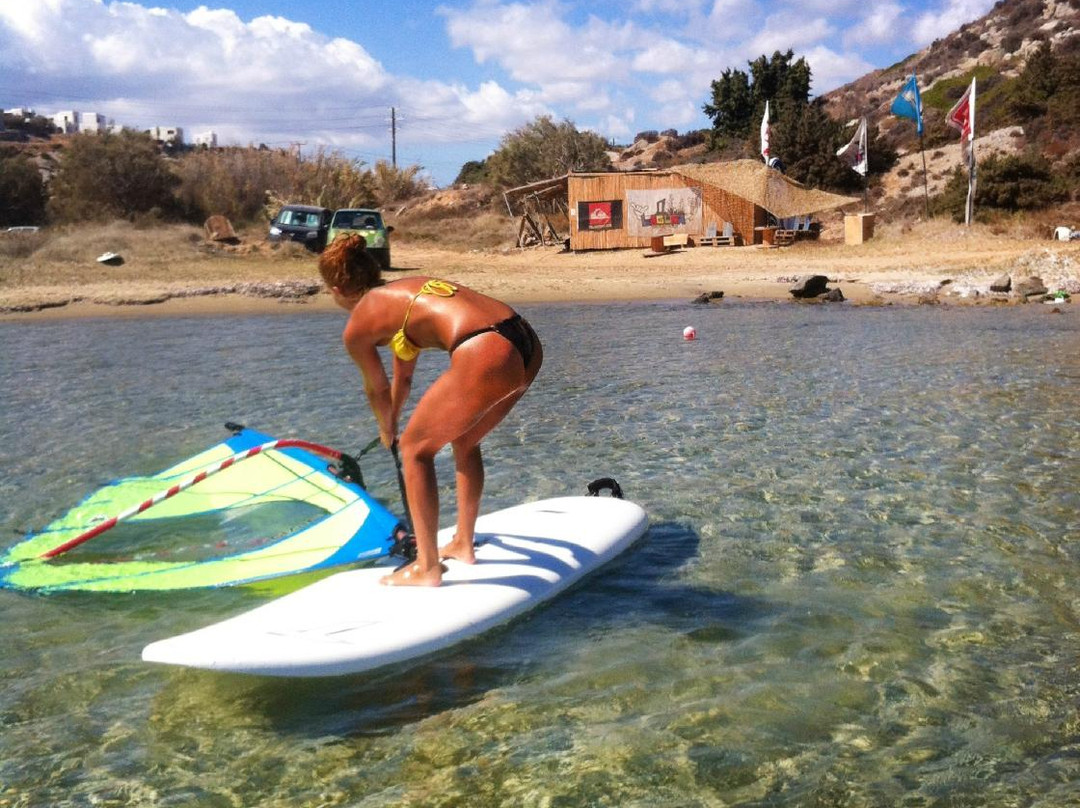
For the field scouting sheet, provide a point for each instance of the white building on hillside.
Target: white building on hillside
(67, 122)
(208, 139)
(92, 123)
(168, 134)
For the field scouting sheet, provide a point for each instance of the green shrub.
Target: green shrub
(393, 183)
(238, 182)
(111, 176)
(543, 149)
(1007, 183)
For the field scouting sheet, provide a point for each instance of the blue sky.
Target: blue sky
(459, 74)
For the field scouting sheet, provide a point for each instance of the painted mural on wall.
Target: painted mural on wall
(606, 215)
(663, 210)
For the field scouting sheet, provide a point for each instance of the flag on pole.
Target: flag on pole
(909, 104)
(854, 153)
(962, 116)
(765, 134)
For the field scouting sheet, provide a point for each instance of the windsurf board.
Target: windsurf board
(349, 622)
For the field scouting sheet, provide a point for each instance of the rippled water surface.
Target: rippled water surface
(859, 587)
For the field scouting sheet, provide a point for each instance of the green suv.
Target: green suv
(367, 223)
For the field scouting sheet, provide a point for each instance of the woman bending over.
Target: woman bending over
(494, 357)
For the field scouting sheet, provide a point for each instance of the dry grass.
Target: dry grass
(58, 267)
(172, 254)
(482, 230)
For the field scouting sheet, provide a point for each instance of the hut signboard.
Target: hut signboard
(603, 215)
(663, 211)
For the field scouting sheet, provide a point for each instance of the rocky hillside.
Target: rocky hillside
(994, 48)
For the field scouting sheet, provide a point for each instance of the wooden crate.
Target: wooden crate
(858, 228)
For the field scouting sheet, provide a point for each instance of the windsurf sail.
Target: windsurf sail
(248, 509)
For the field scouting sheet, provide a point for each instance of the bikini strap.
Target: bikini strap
(437, 288)
(431, 287)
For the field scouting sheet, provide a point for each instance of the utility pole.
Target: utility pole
(393, 137)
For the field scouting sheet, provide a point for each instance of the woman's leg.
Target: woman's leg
(469, 466)
(477, 381)
(469, 479)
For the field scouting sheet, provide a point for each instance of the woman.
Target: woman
(494, 357)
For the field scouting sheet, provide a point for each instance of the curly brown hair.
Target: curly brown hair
(346, 264)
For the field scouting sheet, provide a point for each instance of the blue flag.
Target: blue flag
(908, 104)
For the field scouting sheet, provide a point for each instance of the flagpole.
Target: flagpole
(909, 105)
(969, 212)
(925, 182)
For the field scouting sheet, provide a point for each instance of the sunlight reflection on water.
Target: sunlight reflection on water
(858, 587)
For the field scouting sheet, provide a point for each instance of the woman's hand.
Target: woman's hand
(388, 436)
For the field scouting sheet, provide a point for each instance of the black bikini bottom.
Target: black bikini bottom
(516, 329)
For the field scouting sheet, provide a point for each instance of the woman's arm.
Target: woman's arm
(376, 385)
(400, 387)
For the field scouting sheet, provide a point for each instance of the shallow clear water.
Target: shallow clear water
(859, 587)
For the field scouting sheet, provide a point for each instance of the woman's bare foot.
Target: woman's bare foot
(414, 575)
(462, 551)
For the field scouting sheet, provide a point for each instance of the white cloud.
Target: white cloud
(669, 8)
(780, 34)
(668, 56)
(619, 127)
(727, 21)
(612, 67)
(880, 24)
(268, 80)
(953, 14)
(830, 69)
(532, 43)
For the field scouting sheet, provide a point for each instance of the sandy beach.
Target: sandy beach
(934, 263)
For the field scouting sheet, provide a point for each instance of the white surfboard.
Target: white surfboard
(349, 623)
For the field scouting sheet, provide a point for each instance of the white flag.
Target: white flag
(765, 134)
(854, 153)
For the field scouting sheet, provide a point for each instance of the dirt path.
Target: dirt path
(940, 260)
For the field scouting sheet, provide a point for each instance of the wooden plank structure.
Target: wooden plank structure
(743, 199)
(727, 238)
(784, 238)
(717, 206)
(534, 205)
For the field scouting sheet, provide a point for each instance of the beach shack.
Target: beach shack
(745, 198)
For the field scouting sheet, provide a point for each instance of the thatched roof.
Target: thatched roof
(765, 187)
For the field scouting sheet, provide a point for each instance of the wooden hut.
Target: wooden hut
(628, 209)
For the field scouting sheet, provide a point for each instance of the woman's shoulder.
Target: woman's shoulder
(411, 283)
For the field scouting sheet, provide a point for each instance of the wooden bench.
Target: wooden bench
(717, 241)
(711, 239)
(783, 238)
(666, 244)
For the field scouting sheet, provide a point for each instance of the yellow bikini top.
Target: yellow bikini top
(404, 348)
